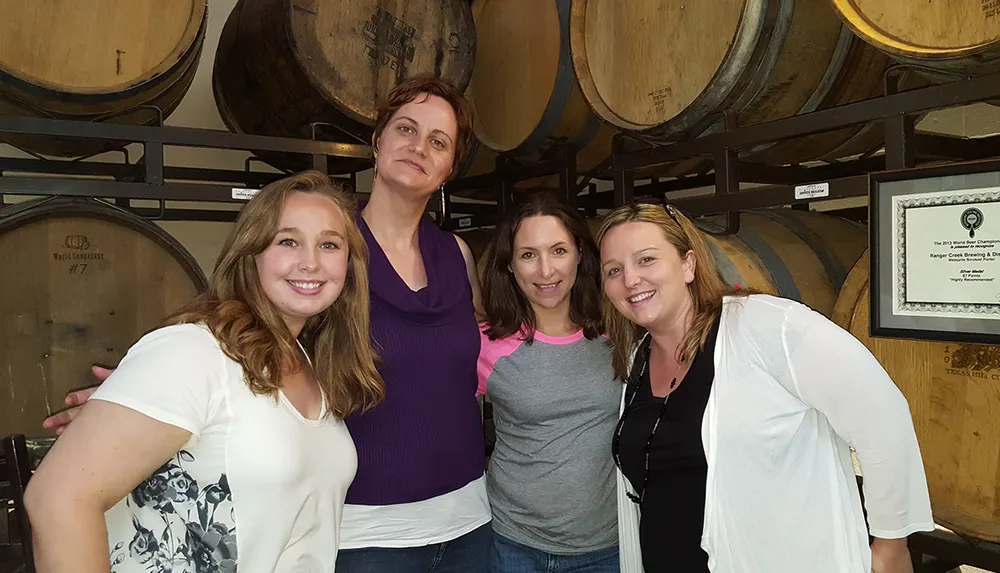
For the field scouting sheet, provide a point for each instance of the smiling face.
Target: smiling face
(645, 277)
(544, 262)
(416, 150)
(302, 271)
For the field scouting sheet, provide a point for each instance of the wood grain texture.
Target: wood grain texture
(283, 65)
(88, 281)
(95, 46)
(517, 58)
(37, 80)
(805, 259)
(929, 27)
(647, 61)
(670, 69)
(953, 391)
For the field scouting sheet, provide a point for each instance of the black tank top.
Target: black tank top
(673, 505)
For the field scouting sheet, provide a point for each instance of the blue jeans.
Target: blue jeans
(511, 557)
(469, 553)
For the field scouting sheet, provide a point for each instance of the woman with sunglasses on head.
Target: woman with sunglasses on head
(218, 443)
(546, 368)
(418, 502)
(739, 413)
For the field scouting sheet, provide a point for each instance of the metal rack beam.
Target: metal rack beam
(150, 177)
(903, 146)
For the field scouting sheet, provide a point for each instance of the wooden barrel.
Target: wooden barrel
(960, 36)
(283, 65)
(761, 60)
(954, 395)
(83, 281)
(801, 255)
(523, 86)
(855, 73)
(95, 60)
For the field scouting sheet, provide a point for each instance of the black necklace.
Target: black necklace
(637, 499)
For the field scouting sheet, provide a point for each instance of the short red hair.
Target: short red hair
(408, 90)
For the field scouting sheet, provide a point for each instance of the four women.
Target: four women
(733, 439)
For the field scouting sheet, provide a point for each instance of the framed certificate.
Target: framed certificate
(935, 253)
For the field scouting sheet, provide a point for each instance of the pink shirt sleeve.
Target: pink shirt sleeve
(489, 352)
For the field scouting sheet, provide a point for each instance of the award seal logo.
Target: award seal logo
(972, 219)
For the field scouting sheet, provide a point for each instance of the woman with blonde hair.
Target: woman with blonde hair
(218, 444)
(738, 416)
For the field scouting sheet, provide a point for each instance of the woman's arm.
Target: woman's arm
(833, 372)
(166, 390)
(473, 272)
(105, 454)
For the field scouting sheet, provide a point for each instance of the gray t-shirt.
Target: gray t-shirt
(551, 479)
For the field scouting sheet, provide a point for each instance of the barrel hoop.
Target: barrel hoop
(52, 207)
(25, 87)
(756, 26)
(773, 50)
(727, 269)
(561, 91)
(832, 266)
(772, 262)
(834, 70)
(833, 73)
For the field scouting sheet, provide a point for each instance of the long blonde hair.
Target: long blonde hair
(707, 289)
(249, 327)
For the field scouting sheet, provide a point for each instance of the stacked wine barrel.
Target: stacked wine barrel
(121, 61)
(86, 281)
(320, 68)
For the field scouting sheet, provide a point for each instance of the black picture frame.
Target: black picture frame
(980, 179)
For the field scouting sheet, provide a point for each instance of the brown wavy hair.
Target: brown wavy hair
(707, 289)
(409, 89)
(507, 309)
(249, 327)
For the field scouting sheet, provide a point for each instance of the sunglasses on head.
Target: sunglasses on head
(658, 202)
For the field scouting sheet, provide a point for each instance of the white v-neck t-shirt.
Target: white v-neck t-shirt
(258, 486)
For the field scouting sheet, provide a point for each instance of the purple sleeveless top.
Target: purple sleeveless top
(426, 438)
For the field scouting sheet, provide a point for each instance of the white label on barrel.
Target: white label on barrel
(464, 222)
(812, 191)
(244, 194)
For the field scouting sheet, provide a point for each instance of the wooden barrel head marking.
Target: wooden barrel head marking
(358, 51)
(90, 281)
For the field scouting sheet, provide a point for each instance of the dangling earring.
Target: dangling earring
(375, 165)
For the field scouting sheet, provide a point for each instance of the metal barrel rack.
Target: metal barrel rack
(148, 177)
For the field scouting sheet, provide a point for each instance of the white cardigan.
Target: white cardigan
(792, 393)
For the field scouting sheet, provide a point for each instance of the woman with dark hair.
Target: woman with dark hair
(418, 502)
(218, 443)
(547, 370)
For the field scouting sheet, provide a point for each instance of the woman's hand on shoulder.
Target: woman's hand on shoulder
(75, 400)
